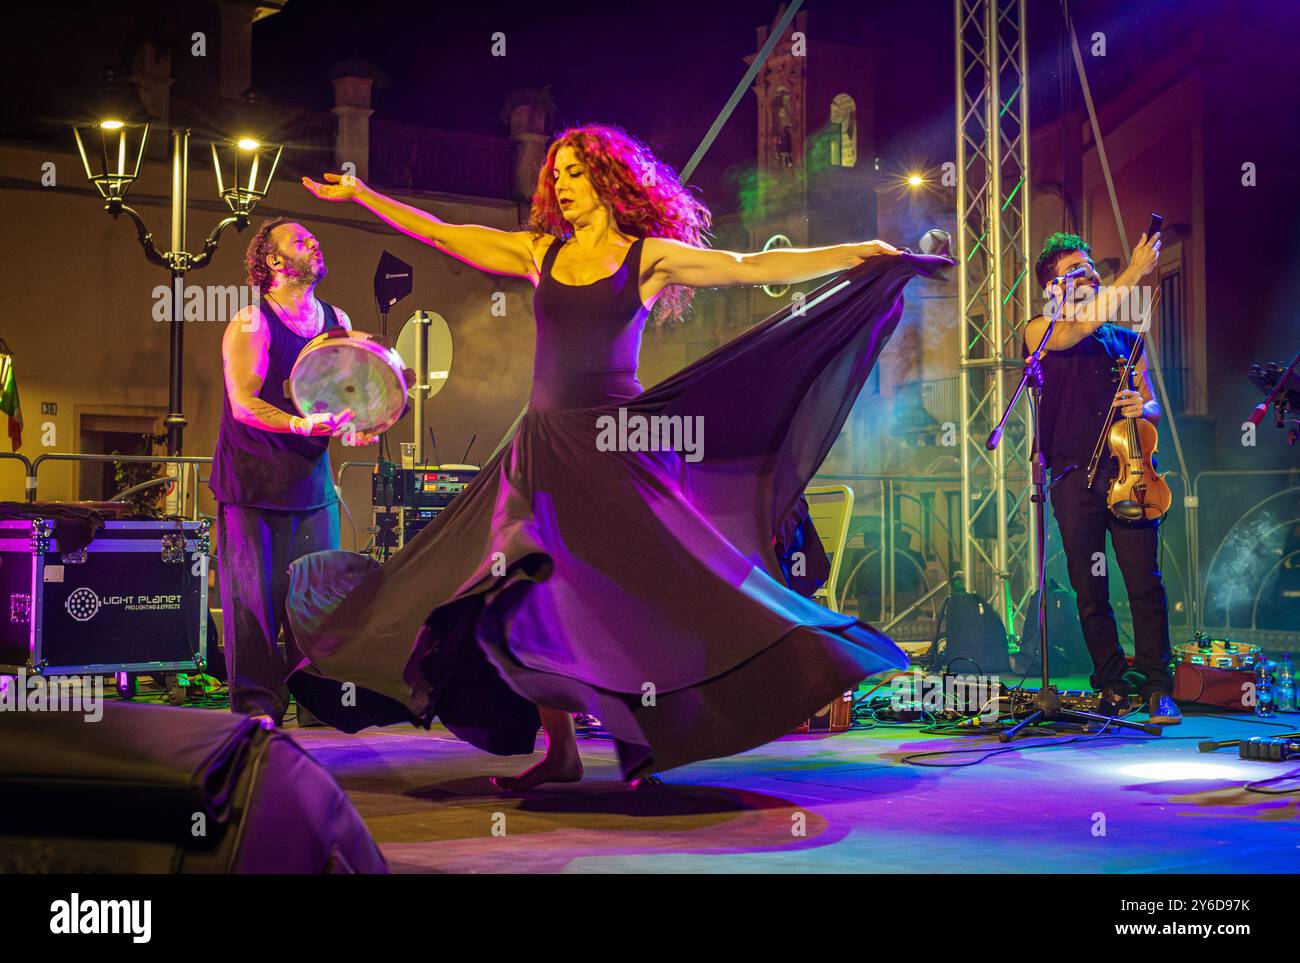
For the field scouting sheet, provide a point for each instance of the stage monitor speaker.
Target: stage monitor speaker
(969, 629)
(1069, 654)
(156, 789)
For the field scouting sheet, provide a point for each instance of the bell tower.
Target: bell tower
(812, 181)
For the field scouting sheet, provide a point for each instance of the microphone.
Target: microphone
(935, 241)
(1070, 275)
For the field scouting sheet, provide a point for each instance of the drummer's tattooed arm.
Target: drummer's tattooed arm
(244, 358)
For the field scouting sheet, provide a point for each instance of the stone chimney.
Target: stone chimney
(151, 71)
(352, 86)
(528, 112)
(235, 48)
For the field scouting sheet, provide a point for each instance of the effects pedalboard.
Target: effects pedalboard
(958, 697)
(405, 500)
(1018, 702)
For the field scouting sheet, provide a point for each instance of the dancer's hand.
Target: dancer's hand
(339, 187)
(869, 249)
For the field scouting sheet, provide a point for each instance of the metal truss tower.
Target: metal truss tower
(996, 295)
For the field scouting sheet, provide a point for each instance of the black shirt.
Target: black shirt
(1078, 386)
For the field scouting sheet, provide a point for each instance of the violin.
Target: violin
(1137, 492)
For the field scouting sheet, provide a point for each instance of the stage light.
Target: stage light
(915, 180)
(244, 171)
(1176, 771)
(117, 148)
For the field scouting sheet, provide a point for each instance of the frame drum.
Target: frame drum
(341, 370)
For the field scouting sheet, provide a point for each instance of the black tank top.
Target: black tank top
(1078, 386)
(267, 469)
(588, 336)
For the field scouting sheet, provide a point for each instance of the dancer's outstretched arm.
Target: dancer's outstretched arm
(486, 248)
(701, 267)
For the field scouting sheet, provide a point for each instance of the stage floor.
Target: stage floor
(1114, 805)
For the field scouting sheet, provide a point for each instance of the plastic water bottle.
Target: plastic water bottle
(1284, 693)
(1264, 705)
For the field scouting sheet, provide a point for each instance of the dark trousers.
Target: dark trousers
(256, 548)
(1084, 520)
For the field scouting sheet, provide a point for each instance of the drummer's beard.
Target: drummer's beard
(310, 269)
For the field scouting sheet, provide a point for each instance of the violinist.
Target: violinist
(1080, 399)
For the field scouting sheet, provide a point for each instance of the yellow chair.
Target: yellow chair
(831, 507)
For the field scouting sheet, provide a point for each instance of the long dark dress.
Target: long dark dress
(643, 587)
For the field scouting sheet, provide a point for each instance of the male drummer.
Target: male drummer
(271, 470)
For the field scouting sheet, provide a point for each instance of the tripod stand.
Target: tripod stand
(1047, 704)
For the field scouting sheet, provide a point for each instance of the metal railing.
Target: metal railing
(29, 484)
(343, 469)
(188, 480)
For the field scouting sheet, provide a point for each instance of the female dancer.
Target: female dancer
(587, 568)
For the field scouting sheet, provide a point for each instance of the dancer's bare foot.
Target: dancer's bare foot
(554, 767)
(561, 762)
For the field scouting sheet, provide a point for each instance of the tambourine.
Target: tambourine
(344, 370)
(1218, 653)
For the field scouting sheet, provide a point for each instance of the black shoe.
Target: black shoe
(1163, 710)
(1113, 704)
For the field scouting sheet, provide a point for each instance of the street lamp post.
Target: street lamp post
(111, 152)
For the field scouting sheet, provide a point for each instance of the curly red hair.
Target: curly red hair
(647, 197)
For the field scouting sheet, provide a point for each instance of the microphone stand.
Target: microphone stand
(1047, 704)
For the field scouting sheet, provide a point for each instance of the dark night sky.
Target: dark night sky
(663, 70)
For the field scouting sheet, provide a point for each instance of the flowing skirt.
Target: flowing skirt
(648, 588)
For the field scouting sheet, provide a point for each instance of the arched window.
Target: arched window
(844, 120)
(782, 128)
